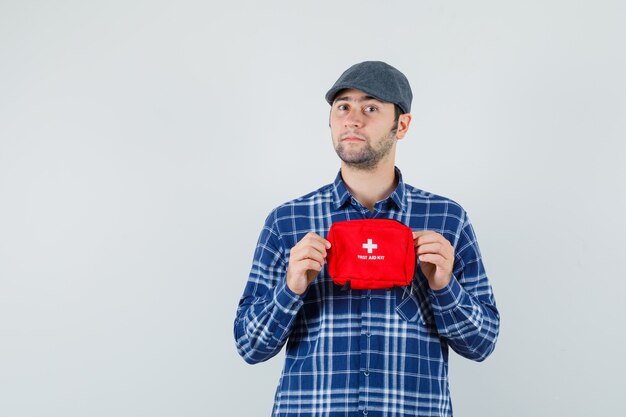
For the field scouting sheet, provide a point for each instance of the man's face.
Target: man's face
(362, 129)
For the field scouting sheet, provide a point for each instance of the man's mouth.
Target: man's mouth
(352, 138)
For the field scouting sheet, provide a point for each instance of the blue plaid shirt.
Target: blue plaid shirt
(365, 352)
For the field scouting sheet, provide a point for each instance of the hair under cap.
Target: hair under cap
(377, 79)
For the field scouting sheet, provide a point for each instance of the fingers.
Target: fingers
(312, 246)
(314, 239)
(428, 236)
(436, 255)
(437, 260)
(429, 242)
(435, 248)
(308, 252)
(306, 260)
(311, 265)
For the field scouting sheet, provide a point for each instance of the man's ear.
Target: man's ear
(403, 125)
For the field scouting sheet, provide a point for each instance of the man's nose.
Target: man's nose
(353, 119)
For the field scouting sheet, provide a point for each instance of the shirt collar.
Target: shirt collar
(342, 195)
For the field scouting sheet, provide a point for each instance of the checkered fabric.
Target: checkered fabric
(365, 352)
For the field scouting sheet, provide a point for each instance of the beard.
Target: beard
(367, 157)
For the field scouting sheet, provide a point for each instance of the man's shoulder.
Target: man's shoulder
(303, 204)
(324, 193)
(436, 202)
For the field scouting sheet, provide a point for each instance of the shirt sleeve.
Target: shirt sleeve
(465, 311)
(267, 308)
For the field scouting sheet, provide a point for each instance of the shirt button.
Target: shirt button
(365, 412)
(366, 373)
(368, 334)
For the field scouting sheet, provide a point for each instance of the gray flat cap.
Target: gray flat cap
(379, 80)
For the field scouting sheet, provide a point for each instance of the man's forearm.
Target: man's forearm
(263, 325)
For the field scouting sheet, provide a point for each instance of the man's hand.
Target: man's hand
(436, 256)
(306, 261)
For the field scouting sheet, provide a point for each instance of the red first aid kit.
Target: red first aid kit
(371, 253)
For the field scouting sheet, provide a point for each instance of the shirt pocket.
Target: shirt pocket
(410, 308)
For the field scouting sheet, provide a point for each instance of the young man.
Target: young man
(375, 352)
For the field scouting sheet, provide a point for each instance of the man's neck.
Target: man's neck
(370, 186)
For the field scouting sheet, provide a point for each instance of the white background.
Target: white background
(143, 143)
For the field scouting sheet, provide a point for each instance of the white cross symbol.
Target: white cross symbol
(370, 246)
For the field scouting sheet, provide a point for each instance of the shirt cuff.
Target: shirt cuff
(448, 297)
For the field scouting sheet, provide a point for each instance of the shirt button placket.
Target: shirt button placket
(367, 332)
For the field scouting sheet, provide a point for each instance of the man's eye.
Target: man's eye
(342, 107)
(370, 109)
